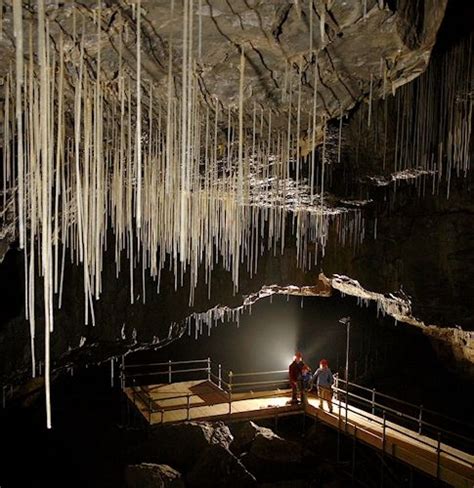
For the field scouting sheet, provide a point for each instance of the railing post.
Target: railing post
(169, 371)
(420, 419)
(347, 402)
(373, 401)
(354, 442)
(220, 376)
(230, 392)
(112, 373)
(208, 369)
(339, 433)
(383, 450)
(122, 373)
(188, 406)
(150, 407)
(383, 431)
(438, 457)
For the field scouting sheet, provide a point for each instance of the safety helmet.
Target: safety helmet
(324, 362)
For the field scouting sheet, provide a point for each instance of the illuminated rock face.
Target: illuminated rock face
(359, 51)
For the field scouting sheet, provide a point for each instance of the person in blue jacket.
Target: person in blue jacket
(324, 380)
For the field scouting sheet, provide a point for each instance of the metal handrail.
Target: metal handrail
(406, 416)
(285, 371)
(156, 373)
(259, 383)
(230, 386)
(165, 364)
(418, 437)
(417, 420)
(404, 402)
(383, 423)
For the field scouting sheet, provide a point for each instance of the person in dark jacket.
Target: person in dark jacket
(324, 381)
(295, 373)
(306, 377)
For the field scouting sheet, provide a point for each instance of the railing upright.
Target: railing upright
(373, 401)
(438, 456)
(208, 369)
(384, 429)
(122, 372)
(169, 371)
(347, 402)
(112, 373)
(230, 392)
(220, 376)
(420, 419)
(382, 464)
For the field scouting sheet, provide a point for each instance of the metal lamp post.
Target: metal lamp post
(347, 322)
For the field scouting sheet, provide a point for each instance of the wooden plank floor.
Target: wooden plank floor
(208, 402)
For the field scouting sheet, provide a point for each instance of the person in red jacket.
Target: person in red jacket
(294, 371)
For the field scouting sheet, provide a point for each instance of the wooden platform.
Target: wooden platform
(206, 402)
(203, 400)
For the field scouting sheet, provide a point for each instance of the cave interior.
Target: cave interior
(194, 179)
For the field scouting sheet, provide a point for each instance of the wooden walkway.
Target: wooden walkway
(204, 400)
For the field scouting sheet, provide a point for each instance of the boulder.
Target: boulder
(149, 475)
(218, 467)
(270, 447)
(272, 458)
(180, 445)
(245, 433)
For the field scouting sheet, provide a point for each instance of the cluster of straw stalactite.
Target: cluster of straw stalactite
(178, 177)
